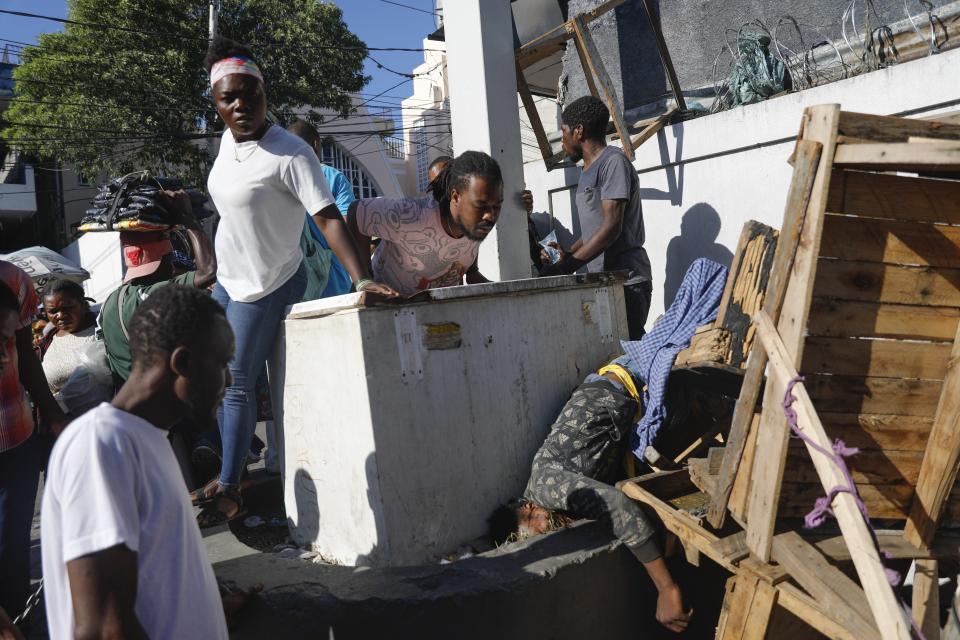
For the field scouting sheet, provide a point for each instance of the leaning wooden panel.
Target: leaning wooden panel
(939, 471)
(807, 162)
(883, 195)
(866, 559)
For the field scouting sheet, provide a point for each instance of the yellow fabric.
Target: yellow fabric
(626, 380)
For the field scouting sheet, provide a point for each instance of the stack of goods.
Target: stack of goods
(133, 203)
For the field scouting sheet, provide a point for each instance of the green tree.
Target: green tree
(123, 87)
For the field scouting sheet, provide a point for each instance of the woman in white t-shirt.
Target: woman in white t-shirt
(262, 181)
(68, 309)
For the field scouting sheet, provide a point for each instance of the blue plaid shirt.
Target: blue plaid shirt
(650, 359)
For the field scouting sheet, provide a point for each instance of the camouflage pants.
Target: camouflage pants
(582, 455)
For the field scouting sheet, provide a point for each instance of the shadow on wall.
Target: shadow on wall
(373, 557)
(307, 526)
(698, 234)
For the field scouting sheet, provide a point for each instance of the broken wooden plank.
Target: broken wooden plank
(664, 52)
(841, 597)
(546, 151)
(651, 129)
(609, 94)
(707, 346)
(554, 40)
(938, 474)
(807, 158)
(811, 612)
(900, 156)
(747, 608)
(682, 524)
(926, 598)
(866, 559)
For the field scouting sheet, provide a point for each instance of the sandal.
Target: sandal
(203, 495)
(213, 515)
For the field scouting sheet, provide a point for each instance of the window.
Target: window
(420, 149)
(363, 186)
(83, 180)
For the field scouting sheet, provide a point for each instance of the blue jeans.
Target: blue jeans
(19, 475)
(255, 327)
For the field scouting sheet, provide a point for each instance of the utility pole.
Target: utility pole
(214, 18)
(485, 117)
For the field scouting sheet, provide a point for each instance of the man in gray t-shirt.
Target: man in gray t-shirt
(608, 206)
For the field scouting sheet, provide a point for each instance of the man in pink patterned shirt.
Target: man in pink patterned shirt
(433, 242)
(21, 454)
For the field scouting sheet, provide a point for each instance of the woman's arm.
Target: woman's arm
(331, 225)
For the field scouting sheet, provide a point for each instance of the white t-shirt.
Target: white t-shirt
(63, 356)
(112, 479)
(261, 189)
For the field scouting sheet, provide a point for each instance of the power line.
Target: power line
(104, 27)
(407, 6)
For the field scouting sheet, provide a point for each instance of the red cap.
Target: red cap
(143, 252)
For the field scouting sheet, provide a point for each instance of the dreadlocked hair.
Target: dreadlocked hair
(589, 112)
(221, 48)
(456, 175)
(172, 317)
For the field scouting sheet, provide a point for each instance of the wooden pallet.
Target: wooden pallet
(598, 80)
(864, 301)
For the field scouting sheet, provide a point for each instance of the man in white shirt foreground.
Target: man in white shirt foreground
(122, 554)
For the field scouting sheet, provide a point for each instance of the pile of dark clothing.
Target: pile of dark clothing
(132, 203)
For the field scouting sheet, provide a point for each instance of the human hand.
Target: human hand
(179, 206)
(526, 199)
(380, 289)
(670, 611)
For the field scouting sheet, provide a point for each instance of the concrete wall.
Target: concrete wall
(100, 254)
(405, 428)
(702, 179)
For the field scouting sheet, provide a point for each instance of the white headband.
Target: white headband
(229, 66)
